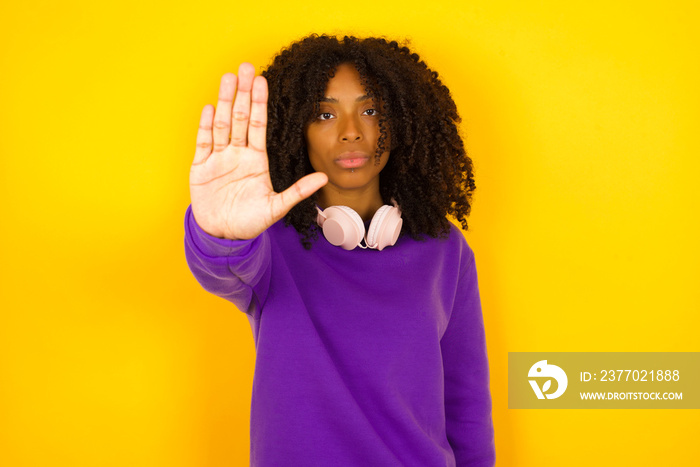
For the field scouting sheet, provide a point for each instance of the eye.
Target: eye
(325, 116)
(371, 112)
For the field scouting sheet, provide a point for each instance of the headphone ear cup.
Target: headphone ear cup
(343, 227)
(385, 227)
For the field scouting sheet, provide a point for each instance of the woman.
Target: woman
(371, 353)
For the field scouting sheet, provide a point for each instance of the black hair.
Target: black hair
(429, 173)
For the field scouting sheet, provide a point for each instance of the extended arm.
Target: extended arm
(233, 202)
(236, 270)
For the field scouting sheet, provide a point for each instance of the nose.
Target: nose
(350, 130)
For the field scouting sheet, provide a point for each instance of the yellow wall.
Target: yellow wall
(581, 119)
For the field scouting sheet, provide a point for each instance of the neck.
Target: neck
(364, 202)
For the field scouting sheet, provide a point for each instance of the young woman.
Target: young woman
(371, 352)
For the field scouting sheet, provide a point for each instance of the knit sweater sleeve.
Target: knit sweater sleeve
(467, 393)
(236, 270)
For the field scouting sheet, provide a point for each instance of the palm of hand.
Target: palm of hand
(230, 187)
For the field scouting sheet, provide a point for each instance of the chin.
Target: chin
(351, 179)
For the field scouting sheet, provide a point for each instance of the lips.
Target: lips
(352, 160)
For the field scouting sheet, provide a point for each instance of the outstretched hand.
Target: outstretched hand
(230, 186)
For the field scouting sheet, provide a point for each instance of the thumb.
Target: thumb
(302, 189)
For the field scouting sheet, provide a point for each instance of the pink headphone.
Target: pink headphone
(343, 227)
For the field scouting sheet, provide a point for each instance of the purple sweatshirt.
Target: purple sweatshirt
(363, 357)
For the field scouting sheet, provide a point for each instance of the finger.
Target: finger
(258, 115)
(302, 189)
(241, 106)
(222, 118)
(204, 135)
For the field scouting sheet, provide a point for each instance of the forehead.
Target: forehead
(345, 82)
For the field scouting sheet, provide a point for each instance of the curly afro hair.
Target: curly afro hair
(428, 173)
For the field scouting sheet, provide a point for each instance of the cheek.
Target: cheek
(314, 142)
(313, 150)
(307, 138)
(385, 161)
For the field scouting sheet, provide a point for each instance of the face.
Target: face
(342, 140)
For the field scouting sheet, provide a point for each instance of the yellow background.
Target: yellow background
(581, 118)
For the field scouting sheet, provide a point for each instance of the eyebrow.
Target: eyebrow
(333, 100)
